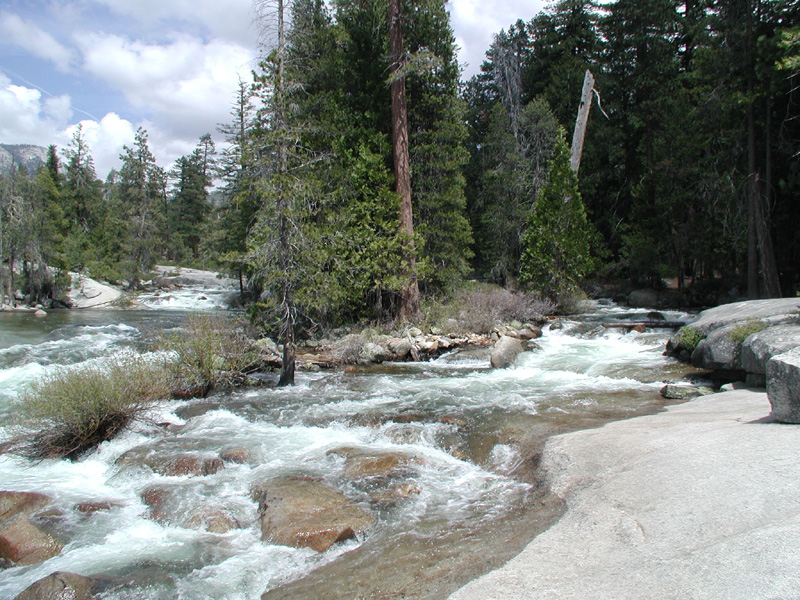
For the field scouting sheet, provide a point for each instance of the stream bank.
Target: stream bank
(470, 437)
(697, 502)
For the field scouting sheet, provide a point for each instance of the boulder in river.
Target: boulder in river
(505, 352)
(303, 512)
(719, 351)
(60, 585)
(684, 392)
(22, 541)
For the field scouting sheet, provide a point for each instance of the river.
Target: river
(471, 434)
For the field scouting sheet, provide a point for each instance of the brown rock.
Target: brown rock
(21, 541)
(212, 465)
(530, 333)
(388, 498)
(382, 465)
(214, 520)
(159, 500)
(408, 417)
(12, 503)
(59, 586)
(183, 465)
(305, 513)
(171, 466)
(459, 422)
(235, 455)
(91, 507)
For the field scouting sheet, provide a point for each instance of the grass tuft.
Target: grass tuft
(70, 411)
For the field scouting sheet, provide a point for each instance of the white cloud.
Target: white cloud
(476, 21)
(105, 139)
(230, 20)
(185, 87)
(26, 119)
(38, 42)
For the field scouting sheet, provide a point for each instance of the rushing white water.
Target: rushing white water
(456, 420)
(188, 299)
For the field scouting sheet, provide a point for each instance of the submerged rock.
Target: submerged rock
(60, 585)
(22, 542)
(155, 459)
(306, 513)
(176, 505)
(684, 392)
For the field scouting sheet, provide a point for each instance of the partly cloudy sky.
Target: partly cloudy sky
(170, 66)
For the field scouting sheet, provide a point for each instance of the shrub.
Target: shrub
(212, 350)
(741, 332)
(478, 308)
(70, 411)
(689, 337)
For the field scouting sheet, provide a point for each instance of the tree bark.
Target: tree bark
(759, 240)
(409, 305)
(580, 123)
(287, 304)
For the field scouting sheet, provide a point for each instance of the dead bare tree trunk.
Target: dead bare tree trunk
(579, 134)
(409, 305)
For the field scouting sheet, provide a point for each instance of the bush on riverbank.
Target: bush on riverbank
(71, 410)
(211, 351)
(479, 307)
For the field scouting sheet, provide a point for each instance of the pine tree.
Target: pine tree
(142, 191)
(556, 252)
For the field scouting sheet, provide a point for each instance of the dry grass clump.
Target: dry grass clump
(482, 307)
(70, 411)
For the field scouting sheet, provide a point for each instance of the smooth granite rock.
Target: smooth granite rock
(700, 501)
(783, 386)
(718, 351)
(760, 347)
(505, 352)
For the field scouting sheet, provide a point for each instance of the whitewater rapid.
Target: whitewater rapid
(459, 422)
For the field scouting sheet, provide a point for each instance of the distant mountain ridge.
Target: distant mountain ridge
(29, 156)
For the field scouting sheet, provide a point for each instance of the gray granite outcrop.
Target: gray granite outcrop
(758, 341)
(783, 386)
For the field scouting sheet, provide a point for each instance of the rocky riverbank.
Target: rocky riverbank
(697, 502)
(757, 342)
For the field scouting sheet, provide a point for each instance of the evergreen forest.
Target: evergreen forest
(360, 173)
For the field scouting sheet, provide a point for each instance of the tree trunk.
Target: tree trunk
(580, 123)
(409, 305)
(759, 246)
(287, 303)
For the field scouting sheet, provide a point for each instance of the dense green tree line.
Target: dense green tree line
(690, 167)
(63, 218)
(692, 172)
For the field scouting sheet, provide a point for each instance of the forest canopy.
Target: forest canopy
(689, 171)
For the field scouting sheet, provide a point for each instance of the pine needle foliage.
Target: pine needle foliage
(556, 252)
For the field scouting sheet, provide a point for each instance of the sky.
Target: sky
(169, 66)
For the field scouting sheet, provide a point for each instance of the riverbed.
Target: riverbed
(471, 434)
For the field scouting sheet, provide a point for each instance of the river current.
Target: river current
(472, 434)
